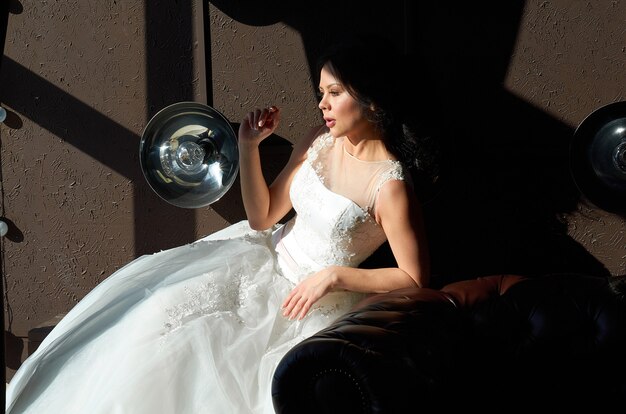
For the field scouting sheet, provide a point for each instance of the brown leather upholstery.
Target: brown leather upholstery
(497, 343)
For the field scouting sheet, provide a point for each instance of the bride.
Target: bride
(200, 328)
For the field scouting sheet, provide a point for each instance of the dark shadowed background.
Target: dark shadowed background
(500, 86)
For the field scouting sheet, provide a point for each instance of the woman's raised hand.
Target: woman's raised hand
(258, 125)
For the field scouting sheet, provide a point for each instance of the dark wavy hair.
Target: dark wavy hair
(374, 73)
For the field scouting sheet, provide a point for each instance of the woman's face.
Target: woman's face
(342, 113)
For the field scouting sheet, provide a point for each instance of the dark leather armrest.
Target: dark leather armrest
(376, 359)
(556, 340)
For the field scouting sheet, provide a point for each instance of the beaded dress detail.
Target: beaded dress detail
(198, 328)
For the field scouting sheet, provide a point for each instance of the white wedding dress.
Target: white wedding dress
(198, 328)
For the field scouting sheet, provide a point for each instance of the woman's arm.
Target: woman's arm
(399, 213)
(266, 205)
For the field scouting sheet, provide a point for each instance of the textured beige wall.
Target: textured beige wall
(81, 79)
(569, 60)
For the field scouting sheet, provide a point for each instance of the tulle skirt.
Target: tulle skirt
(194, 329)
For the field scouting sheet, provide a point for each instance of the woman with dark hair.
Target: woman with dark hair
(201, 328)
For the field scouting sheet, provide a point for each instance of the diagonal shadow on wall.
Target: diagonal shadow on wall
(72, 120)
(169, 76)
(102, 139)
(505, 182)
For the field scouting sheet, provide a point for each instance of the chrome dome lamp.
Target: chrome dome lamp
(598, 157)
(189, 155)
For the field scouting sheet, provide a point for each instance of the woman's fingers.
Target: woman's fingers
(262, 118)
(297, 304)
(292, 303)
(259, 124)
(256, 119)
(300, 308)
(268, 117)
(297, 308)
(287, 300)
(305, 294)
(250, 120)
(304, 310)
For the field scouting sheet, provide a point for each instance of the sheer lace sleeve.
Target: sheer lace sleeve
(348, 176)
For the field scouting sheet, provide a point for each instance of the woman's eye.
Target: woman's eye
(320, 94)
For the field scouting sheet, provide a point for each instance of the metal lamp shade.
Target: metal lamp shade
(189, 154)
(598, 157)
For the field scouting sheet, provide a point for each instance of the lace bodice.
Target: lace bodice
(334, 196)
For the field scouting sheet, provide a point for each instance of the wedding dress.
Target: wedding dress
(198, 328)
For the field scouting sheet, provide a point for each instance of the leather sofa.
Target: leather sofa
(504, 343)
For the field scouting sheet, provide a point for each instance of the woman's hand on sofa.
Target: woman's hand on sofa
(307, 292)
